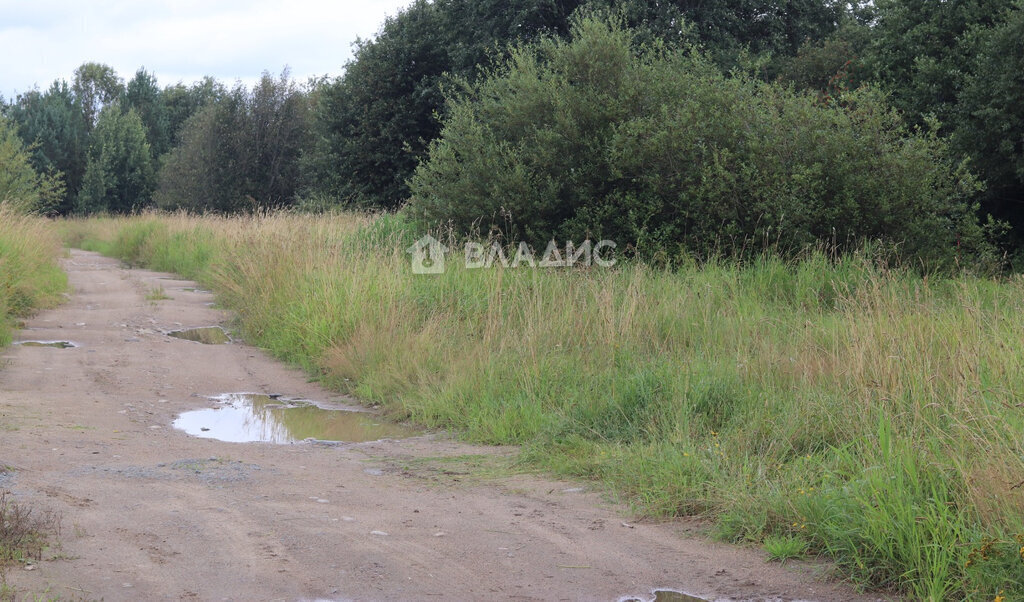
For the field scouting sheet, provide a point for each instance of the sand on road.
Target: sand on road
(149, 512)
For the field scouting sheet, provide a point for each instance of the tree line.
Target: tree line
(937, 75)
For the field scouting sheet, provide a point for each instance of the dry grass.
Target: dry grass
(29, 275)
(25, 532)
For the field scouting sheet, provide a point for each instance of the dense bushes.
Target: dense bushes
(658, 149)
(240, 152)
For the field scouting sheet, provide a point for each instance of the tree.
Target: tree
(53, 125)
(240, 152)
(142, 95)
(95, 85)
(373, 125)
(21, 186)
(181, 102)
(119, 174)
(990, 125)
(921, 52)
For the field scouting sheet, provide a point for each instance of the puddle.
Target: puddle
(57, 344)
(666, 595)
(210, 335)
(251, 417)
(190, 289)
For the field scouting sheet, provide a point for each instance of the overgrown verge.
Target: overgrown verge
(851, 410)
(29, 275)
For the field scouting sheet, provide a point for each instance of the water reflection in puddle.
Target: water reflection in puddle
(210, 335)
(666, 595)
(251, 417)
(57, 344)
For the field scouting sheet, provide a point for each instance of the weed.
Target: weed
(156, 293)
(24, 532)
(784, 547)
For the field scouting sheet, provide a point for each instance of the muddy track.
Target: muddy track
(150, 512)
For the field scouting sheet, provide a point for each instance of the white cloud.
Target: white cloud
(182, 40)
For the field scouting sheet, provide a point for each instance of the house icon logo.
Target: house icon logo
(427, 256)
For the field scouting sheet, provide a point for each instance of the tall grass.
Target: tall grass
(864, 413)
(29, 274)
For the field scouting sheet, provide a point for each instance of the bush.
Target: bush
(21, 186)
(657, 149)
(239, 152)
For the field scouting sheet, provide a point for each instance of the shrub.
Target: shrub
(657, 149)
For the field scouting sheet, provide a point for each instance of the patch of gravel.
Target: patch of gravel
(205, 470)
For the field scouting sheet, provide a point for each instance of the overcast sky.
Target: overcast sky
(181, 40)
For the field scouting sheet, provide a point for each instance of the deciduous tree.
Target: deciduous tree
(119, 174)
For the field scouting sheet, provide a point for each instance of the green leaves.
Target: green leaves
(240, 152)
(601, 136)
(119, 175)
(22, 188)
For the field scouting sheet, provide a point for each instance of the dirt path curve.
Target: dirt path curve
(151, 513)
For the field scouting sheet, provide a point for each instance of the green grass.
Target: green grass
(29, 275)
(156, 293)
(864, 411)
(784, 547)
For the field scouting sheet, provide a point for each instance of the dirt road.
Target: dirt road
(150, 512)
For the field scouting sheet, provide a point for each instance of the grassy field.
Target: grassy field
(819, 407)
(29, 275)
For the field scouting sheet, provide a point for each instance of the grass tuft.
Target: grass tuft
(784, 547)
(24, 532)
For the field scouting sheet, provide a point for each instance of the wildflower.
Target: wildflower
(999, 597)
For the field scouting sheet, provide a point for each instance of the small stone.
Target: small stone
(380, 533)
